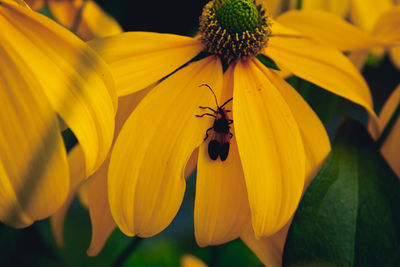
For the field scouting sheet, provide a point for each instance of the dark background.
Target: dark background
(180, 17)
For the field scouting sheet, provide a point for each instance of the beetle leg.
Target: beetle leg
(208, 108)
(207, 133)
(230, 121)
(208, 114)
(231, 135)
(227, 101)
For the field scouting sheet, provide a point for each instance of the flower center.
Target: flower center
(234, 29)
(237, 16)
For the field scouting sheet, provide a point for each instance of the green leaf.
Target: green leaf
(349, 215)
(268, 62)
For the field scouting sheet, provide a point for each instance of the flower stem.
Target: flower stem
(299, 4)
(128, 250)
(389, 127)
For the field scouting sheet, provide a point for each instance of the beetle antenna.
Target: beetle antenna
(227, 101)
(216, 101)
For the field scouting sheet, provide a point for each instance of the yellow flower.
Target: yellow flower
(378, 19)
(46, 71)
(84, 17)
(363, 13)
(278, 141)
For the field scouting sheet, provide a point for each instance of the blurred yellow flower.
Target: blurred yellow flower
(46, 71)
(338, 7)
(379, 19)
(84, 17)
(363, 13)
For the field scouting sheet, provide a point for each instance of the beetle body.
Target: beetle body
(221, 136)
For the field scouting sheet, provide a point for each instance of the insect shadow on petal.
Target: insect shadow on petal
(219, 145)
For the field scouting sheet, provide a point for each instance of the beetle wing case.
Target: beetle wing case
(213, 149)
(224, 151)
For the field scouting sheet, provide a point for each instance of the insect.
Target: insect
(219, 145)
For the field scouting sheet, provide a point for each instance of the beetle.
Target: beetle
(219, 145)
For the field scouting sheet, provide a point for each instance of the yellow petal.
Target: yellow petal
(126, 105)
(221, 208)
(358, 58)
(100, 23)
(70, 14)
(138, 59)
(99, 209)
(35, 4)
(273, 7)
(387, 27)
(327, 29)
(395, 56)
(32, 152)
(68, 71)
(365, 13)
(283, 31)
(83, 194)
(339, 8)
(65, 12)
(146, 175)
(389, 107)
(18, 2)
(293, 4)
(270, 148)
(191, 261)
(85, 18)
(11, 212)
(268, 249)
(76, 162)
(192, 163)
(391, 147)
(323, 66)
(315, 139)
